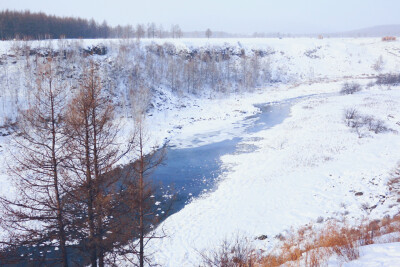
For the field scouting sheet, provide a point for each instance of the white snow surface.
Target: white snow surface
(383, 255)
(310, 165)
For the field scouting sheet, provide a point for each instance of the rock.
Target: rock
(262, 237)
(100, 50)
(359, 194)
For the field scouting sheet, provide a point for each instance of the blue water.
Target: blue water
(193, 171)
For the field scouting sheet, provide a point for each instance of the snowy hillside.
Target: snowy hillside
(282, 60)
(311, 167)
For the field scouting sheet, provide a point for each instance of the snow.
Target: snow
(387, 255)
(310, 165)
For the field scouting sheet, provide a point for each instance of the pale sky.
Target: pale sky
(245, 16)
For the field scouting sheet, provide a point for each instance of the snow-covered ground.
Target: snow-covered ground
(312, 165)
(387, 255)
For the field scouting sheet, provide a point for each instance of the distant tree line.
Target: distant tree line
(214, 69)
(29, 25)
(25, 24)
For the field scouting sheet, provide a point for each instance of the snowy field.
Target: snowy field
(310, 166)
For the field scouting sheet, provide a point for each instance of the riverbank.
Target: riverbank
(310, 166)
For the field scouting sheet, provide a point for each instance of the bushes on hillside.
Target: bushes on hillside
(350, 88)
(357, 121)
(388, 79)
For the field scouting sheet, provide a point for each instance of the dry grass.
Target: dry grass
(311, 246)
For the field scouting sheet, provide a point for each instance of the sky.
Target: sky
(234, 16)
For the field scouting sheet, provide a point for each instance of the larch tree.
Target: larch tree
(35, 216)
(142, 198)
(94, 151)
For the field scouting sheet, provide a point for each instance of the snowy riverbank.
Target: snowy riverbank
(310, 166)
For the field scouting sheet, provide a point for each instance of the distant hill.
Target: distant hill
(375, 31)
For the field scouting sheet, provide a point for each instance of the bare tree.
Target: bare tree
(140, 32)
(94, 151)
(208, 33)
(176, 31)
(172, 74)
(173, 33)
(379, 64)
(144, 208)
(151, 30)
(36, 216)
(160, 31)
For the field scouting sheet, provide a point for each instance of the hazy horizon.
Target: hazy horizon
(286, 16)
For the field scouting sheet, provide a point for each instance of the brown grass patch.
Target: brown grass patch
(313, 246)
(310, 245)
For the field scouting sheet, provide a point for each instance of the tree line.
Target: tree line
(71, 200)
(196, 71)
(31, 25)
(135, 71)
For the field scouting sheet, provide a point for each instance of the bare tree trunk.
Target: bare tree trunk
(100, 252)
(89, 191)
(141, 208)
(142, 197)
(61, 230)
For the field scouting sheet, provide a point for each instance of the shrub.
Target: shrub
(342, 241)
(312, 53)
(350, 88)
(388, 38)
(350, 115)
(355, 120)
(377, 126)
(378, 65)
(236, 253)
(388, 79)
